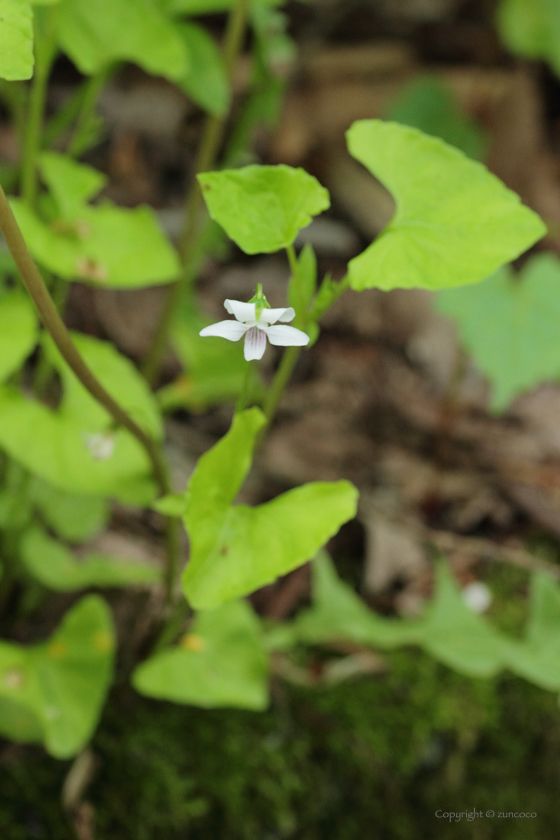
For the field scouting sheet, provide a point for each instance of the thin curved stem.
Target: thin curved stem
(52, 321)
(281, 379)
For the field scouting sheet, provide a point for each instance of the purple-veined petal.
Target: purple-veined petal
(242, 311)
(270, 316)
(255, 343)
(287, 336)
(232, 330)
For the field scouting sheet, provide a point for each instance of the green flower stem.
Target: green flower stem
(292, 257)
(281, 379)
(245, 389)
(45, 52)
(53, 323)
(206, 159)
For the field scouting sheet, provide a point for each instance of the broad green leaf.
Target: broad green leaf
(98, 32)
(531, 28)
(457, 636)
(262, 208)
(71, 184)
(455, 222)
(510, 326)
(338, 614)
(63, 682)
(74, 518)
(206, 80)
(235, 550)
(428, 103)
(16, 40)
(220, 662)
(18, 331)
(537, 658)
(54, 447)
(107, 246)
(54, 565)
(118, 376)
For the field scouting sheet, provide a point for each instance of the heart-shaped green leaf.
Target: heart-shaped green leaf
(107, 246)
(118, 376)
(235, 550)
(62, 683)
(510, 326)
(54, 565)
(220, 662)
(55, 447)
(455, 223)
(262, 208)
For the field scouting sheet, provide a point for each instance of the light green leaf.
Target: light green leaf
(221, 662)
(531, 28)
(54, 565)
(74, 518)
(18, 331)
(206, 80)
(428, 103)
(455, 223)
(107, 246)
(71, 184)
(510, 326)
(537, 659)
(16, 40)
(54, 446)
(262, 208)
(118, 376)
(63, 682)
(457, 636)
(338, 614)
(235, 550)
(98, 32)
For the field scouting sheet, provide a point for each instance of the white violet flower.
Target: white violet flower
(257, 329)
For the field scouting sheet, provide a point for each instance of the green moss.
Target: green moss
(376, 757)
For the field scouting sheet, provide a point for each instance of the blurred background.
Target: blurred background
(391, 397)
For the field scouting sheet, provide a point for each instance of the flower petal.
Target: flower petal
(255, 343)
(270, 316)
(287, 336)
(232, 330)
(242, 311)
